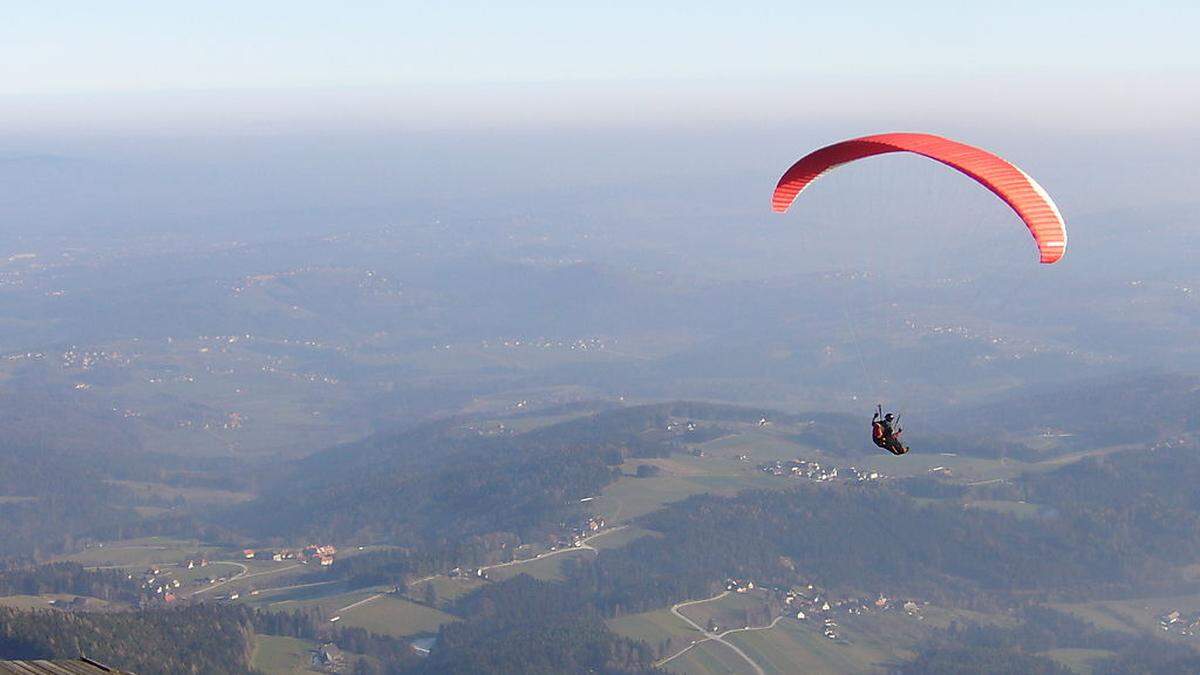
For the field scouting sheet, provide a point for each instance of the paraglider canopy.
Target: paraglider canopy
(1014, 186)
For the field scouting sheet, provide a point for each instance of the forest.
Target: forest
(535, 627)
(72, 578)
(938, 551)
(997, 650)
(202, 638)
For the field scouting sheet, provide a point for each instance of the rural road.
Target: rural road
(583, 546)
(241, 576)
(219, 584)
(293, 586)
(541, 556)
(716, 637)
(360, 603)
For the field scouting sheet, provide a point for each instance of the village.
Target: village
(321, 554)
(808, 603)
(591, 525)
(814, 471)
(1184, 625)
(164, 583)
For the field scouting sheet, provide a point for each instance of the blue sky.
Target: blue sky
(462, 54)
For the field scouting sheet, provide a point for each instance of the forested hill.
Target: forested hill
(53, 499)
(41, 409)
(433, 443)
(1132, 409)
(533, 627)
(868, 540)
(449, 481)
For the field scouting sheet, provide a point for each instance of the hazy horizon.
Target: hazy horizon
(276, 67)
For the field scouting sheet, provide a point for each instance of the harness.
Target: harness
(879, 434)
(885, 440)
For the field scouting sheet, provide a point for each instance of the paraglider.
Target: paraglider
(885, 431)
(1008, 182)
(1020, 191)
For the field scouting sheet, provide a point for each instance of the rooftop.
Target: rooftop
(72, 667)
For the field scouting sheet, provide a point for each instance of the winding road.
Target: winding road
(716, 637)
(241, 576)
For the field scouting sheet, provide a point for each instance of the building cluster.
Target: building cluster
(1181, 624)
(86, 359)
(75, 604)
(739, 585)
(154, 580)
(25, 356)
(800, 468)
(807, 602)
(321, 554)
(591, 525)
(1181, 441)
(460, 573)
(328, 658)
(490, 429)
(11, 279)
(579, 344)
(815, 471)
(862, 475)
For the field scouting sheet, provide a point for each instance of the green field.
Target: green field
(1018, 509)
(760, 445)
(708, 658)
(799, 647)
(297, 596)
(31, 601)
(43, 601)
(386, 613)
(395, 616)
(280, 655)
(1136, 615)
(446, 589)
(620, 538)
(142, 552)
(546, 568)
(681, 477)
(654, 627)
(728, 612)
(330, 604)
(192, 495)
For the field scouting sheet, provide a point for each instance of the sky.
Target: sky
(263, 65)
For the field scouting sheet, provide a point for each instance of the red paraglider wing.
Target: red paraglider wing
(1011, 184)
